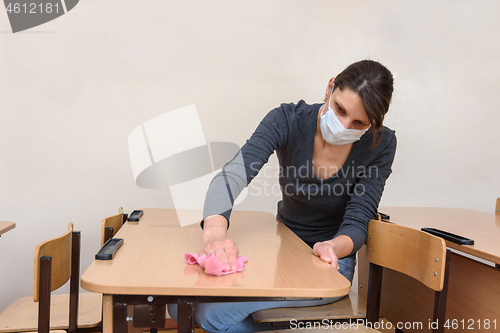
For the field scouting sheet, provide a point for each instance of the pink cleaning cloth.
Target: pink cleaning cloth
(212, 265)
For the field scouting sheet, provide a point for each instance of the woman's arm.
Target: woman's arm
(367, 192)
(270, 135)
(331, 251)
(361, 208)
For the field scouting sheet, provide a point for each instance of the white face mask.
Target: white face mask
(332, 129)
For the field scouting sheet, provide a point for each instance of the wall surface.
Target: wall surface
(73, 89)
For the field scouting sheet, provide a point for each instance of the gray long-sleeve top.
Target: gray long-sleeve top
(316, 210)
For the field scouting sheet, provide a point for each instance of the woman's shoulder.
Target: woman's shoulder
(293, 113)
(301, 107)
(291, 120)
(299, 112)
(387, 140)
(388, 136)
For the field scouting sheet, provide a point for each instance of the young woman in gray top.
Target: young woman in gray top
(334, 161)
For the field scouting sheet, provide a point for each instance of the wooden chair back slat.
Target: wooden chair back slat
(115, 222)
(497, 207)
(44, 294)
(74, 286)
(59, 249)
(408, 251)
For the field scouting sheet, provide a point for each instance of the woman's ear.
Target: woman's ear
(329, 88)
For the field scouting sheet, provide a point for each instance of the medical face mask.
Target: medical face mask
(332, 129)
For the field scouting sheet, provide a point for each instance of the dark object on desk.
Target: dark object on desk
(135, 216)
(449, 236)
(108, 250)
(384, 216)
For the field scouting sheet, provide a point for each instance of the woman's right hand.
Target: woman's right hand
(215, 242)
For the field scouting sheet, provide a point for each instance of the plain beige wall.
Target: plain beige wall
(73, 89)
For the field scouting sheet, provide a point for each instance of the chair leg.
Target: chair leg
(441, 297)
(44, 294)
(374, 292)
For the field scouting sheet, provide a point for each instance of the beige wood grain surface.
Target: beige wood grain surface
(151, 261)
(483, 228)
(22, 314)
(6, 226)
(114, 221)
(352, 307)
(407, 250)
(59, 249)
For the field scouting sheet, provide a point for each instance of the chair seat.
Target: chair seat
(351, 307)
(22, 314)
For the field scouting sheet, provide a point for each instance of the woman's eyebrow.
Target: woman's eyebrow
(339, 104)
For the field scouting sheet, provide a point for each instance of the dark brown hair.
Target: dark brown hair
(374, 84)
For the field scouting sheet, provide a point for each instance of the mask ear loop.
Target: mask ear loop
(327, 103)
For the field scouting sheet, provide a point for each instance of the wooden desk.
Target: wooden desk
(474, 283)
(151, 263)
(6, 226)
(483, 228)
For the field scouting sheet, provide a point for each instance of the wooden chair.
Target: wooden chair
(353, 306)
(497, 207)
(111, 225)
(408, 251)
(56, 262)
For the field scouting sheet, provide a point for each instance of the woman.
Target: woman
(334, 160)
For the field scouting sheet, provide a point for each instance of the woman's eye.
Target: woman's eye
(341, 111)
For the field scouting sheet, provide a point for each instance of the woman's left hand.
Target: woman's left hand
(325, 251)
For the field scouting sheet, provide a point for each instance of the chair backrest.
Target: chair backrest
(412, 252)
(497, 207)
(59, 249)
(57, 261)
(409, 251)
(111, 225)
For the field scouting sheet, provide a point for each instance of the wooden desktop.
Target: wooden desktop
(150, 269)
